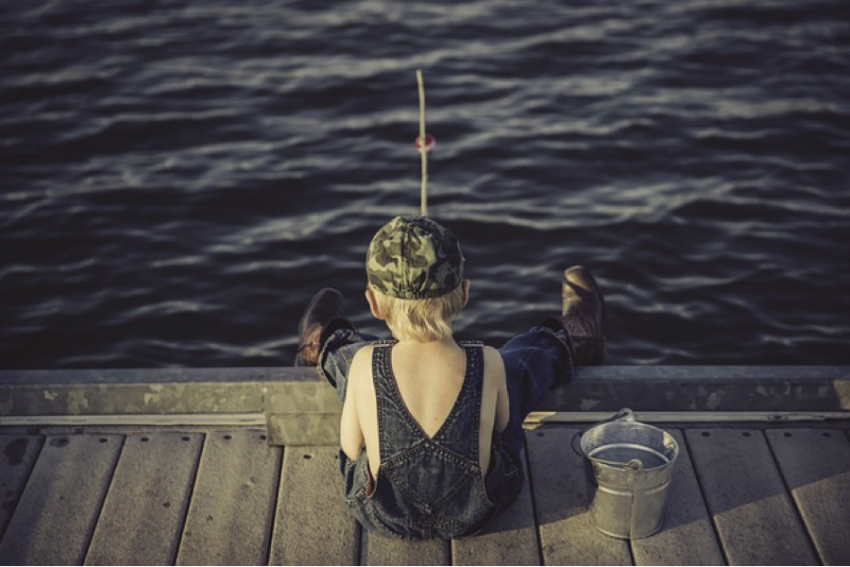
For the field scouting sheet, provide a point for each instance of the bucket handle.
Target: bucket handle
(624, 414)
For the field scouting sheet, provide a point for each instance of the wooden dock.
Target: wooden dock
(223, 496)
(134, 488)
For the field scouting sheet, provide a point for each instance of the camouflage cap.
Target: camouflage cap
(414, 258)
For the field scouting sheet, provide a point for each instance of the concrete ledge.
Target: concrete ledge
(156, 375)
(299, 409)
(288, 390)
(704, 388)
(151, 391)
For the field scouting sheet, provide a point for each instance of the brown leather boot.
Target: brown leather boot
(325, 306)
(583, 313)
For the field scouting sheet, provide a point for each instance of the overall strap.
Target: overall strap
(397, 430)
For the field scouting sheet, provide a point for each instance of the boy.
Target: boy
(431, 430)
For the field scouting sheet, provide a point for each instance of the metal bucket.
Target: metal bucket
(628, 467)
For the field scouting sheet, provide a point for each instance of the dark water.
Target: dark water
(178, 177)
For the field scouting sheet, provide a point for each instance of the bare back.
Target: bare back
(429, 377)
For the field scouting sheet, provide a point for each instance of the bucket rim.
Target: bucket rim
(635, 465)
(626, 418)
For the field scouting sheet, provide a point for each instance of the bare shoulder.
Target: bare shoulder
(360, 370)
(360, 365)
(494, 366)
(493, 359)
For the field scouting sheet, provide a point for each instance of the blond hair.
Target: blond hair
(420, 320)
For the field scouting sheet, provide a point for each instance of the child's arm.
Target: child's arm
(350, 433)
(502, 401)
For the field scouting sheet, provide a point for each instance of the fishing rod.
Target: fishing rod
(424, 143)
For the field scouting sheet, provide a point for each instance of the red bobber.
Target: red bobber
(430, 142)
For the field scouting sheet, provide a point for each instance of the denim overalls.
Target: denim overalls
(434, 487)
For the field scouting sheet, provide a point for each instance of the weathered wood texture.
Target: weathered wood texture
(20, 452)
(558, 485)
(510, 539)
(754, 515)
(379, 550)
(687, 536)
(312, 524)
(816, 467)
(57, 512)
(234, 493)
(144, 511)
(740, 495)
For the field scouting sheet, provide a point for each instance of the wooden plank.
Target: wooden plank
(230, 516)
(57, 512)
(509, 539)
(19, 452)
(687, 536)
(753, 514)
(143, 513)
(312, 523)
(558, 488)
(380, 550)
(816, 466)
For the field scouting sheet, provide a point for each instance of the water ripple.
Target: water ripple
(174, 197)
